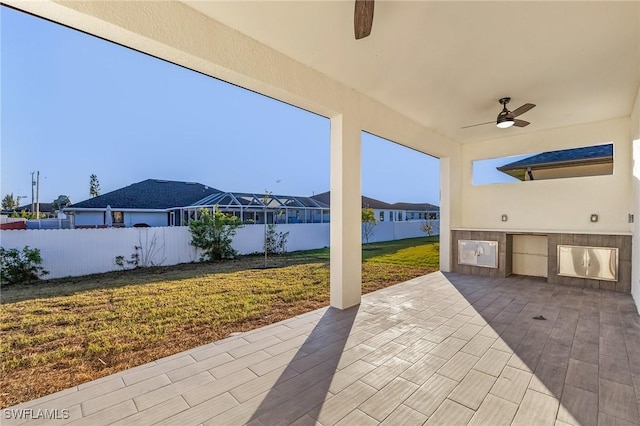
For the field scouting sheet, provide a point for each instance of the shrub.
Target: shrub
(20, 267)
(147, 253)
(275, 242)
(213, 233)
(427, 227)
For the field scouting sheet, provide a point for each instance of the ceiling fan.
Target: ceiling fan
(363, 18)
(507, 118)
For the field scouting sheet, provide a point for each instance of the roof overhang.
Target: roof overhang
(116, 209)
(559, 164)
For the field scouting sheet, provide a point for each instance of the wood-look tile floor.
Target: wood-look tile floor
(439, 349)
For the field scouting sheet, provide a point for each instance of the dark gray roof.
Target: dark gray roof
(44, 208)
(575, 155)
(416, 207)
(368, 202)
(149, 194)
(325, 197)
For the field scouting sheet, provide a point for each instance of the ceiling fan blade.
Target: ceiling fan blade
(524, 108)
(363, 18)
(479, 124)
(520, 123)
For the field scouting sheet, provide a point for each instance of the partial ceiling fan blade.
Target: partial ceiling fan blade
(520, 123)
(524, 108)
(363, 18)
(480, 124)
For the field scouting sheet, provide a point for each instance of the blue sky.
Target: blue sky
(73, 105)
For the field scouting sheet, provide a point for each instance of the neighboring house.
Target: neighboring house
(155, 202)
(418, 211)
(397, 212)
(577, 162)
(146, 203)
(45, 208)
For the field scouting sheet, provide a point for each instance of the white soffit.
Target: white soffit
(446, 64)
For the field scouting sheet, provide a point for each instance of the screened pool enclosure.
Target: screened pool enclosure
(253, 208)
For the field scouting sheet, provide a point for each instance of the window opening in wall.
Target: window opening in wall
(117, 217)
(402, 200)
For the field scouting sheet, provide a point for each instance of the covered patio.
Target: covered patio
(439, 349)
(444, 348)
(428, 77)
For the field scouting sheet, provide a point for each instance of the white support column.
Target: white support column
(445, 214)
(346, 216)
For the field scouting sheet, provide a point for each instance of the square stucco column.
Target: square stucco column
(346, 216)
(447, 180)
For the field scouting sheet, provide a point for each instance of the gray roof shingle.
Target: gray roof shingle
(149, 194)
(325, 197)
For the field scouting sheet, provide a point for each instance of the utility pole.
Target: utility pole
(33, 183)
(38, 195)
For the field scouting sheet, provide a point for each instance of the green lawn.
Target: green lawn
(61, 333)
(419, 252)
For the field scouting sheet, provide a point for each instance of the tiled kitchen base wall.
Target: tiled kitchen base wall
(622, 242)
(505, 256)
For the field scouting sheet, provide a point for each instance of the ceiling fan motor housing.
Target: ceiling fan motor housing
(505, 118)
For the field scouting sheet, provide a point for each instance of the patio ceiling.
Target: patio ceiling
(445, 64)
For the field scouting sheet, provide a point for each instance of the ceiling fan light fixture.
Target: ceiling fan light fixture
(504, 122)
(508, 118)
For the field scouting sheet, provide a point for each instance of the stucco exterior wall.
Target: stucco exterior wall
(88, 218)
(558, 204)
(635, 197)
(151, 219)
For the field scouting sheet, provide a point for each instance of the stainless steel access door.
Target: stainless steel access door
(598, 263)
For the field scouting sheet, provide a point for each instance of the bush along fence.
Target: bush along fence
(76, 252)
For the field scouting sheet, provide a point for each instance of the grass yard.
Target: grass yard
(62, 333)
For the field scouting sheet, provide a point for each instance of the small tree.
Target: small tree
(20, 267)
(427, 227)
(9, 202)
(276, 242)
(61, 202)
(369, 222)
(94, 185)
(213, 233)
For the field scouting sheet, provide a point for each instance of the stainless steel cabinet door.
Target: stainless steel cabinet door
(598, 263)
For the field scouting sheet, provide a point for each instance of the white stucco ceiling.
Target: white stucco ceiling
(446, 64)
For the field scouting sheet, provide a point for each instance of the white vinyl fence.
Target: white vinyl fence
(75, 252)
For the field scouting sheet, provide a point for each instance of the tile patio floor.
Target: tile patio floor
(439, 349)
